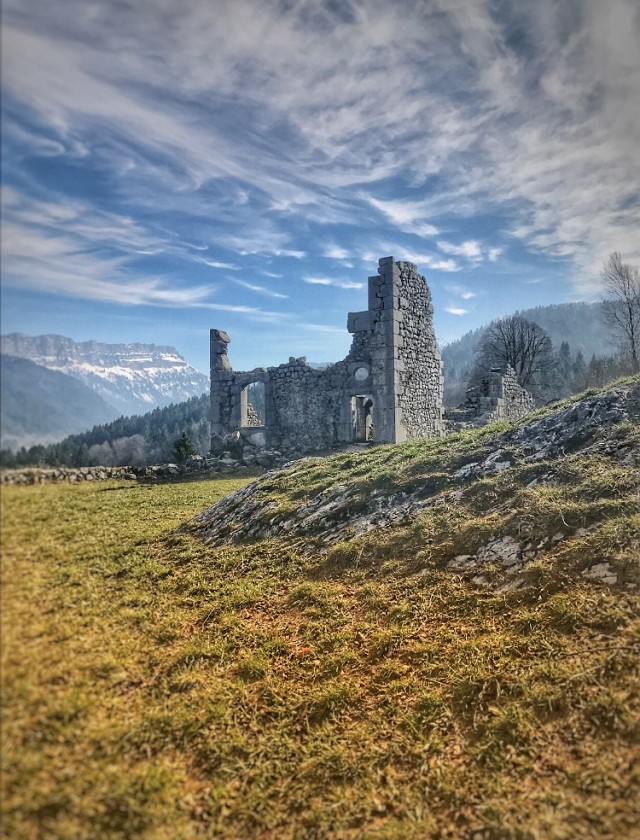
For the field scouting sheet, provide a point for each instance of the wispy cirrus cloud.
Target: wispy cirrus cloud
(68, 248)
(331, 281)
(53, 264)
(218, 264)
(456, 310)
(406, 215)
(542, 130)
(261, 290)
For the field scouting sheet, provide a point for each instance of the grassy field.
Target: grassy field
(159, 688)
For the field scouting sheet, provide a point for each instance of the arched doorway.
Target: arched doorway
(362, 418)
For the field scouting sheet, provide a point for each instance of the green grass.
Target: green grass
(159, 688)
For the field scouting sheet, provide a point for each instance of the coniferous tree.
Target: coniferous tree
(183, 448)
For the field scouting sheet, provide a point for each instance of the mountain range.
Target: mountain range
(53, 386)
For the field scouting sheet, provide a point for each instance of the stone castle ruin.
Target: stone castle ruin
(498, 396)
(388, 389)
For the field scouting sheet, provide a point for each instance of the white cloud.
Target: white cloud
(330, 281)
(455, 310)
(461, 291)
(265, 242)
(470, 249)
(422, 260)
(335, 252)
(217, 264)
(261, 290)
(406, 215)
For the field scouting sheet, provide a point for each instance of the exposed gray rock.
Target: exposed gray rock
(504, 550)
(602, 573)
(330, 517)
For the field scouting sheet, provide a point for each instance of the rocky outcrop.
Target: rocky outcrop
(342, 512)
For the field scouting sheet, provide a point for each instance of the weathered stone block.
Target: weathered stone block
(359, 321)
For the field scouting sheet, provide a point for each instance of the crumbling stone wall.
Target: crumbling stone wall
(419, 367)
(388, 388)
(499, 396)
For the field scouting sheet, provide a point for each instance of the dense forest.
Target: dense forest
(138, 440)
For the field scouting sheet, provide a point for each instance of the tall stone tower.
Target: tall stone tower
(396, 336)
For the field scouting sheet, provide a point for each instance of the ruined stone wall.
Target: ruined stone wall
(388, 388)
(517, 401)
(420, 382)
(499, 396)
(395, 339)
(304, 406)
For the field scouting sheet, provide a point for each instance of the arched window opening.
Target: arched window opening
(253, 405)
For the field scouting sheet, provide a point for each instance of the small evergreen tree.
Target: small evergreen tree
(183, 448)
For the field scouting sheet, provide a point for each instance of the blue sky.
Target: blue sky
(174, 166)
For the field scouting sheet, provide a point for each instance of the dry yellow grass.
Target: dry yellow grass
(161, 689)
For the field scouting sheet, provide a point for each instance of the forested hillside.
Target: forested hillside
(579, 326)
(138, 440)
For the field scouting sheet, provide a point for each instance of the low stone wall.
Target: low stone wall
(46, 475)
(240, 459)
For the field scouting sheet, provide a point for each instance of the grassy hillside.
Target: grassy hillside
(160, 687)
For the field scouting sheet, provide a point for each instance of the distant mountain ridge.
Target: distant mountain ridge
(131, 378)
(111, 380)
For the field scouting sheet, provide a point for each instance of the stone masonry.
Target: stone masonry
(388, 388)
(499, 396)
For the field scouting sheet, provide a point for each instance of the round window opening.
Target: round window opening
(361, 374)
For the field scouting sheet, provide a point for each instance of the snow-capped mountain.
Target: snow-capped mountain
(133, 378)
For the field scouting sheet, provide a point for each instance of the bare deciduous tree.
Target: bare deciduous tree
(520, 343)
(622, 312)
